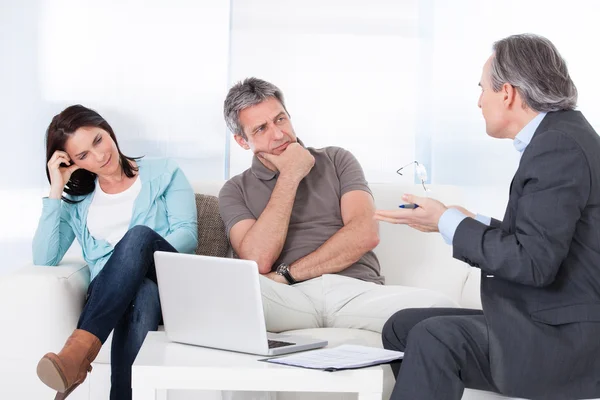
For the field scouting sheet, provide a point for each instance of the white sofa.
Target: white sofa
(40, 306)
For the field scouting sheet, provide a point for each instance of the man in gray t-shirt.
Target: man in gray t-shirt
(316, 215)
(306, 216)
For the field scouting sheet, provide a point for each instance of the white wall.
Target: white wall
(390, 80)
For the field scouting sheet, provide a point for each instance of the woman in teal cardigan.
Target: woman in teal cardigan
(121, 210)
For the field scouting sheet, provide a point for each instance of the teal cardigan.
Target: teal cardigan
(165, 203)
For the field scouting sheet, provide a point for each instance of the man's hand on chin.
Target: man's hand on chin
(426, 217)
(294, 162)
(277, 278)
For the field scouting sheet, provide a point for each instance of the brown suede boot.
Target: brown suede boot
(66, 370)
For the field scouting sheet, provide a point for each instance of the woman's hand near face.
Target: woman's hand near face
(59, 176)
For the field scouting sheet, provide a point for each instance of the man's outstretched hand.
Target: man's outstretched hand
(424, 218)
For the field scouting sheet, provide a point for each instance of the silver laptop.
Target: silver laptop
(216, 302)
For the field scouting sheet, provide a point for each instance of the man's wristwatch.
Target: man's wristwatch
(284, 270)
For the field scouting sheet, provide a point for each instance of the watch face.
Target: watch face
(282, 269)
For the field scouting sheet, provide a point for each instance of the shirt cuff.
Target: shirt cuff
(484, 219)
(448, 223)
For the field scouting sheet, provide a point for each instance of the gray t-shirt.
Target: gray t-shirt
(316, 214)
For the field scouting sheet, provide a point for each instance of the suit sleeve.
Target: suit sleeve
(554, 194)
(495, 223)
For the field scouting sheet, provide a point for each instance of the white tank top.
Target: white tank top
(109, 215)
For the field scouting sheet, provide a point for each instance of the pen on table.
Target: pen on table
(408, 205)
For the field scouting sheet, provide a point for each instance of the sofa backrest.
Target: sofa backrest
(412, 258)
(407, 257)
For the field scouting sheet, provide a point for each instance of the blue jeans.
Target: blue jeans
(124, 297)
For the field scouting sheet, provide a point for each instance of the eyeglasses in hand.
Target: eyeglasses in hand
(420, 171)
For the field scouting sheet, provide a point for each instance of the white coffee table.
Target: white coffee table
(162, 365)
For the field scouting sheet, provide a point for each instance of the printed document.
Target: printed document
(342, 357)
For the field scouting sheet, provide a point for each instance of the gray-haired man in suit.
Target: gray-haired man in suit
(538, 335)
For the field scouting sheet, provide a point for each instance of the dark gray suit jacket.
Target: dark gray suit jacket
(540, 281)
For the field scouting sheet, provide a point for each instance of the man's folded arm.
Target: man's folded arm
(359, 235)
(259, 239)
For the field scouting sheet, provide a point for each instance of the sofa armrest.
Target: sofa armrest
(40, 307)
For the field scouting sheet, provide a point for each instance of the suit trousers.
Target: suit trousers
(446, 350)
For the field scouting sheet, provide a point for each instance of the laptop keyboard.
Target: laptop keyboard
(273, 344)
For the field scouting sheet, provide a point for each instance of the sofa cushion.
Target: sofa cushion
(338, 336)
(470, 296)
(412, 258)
(103, 356)
(212, 239)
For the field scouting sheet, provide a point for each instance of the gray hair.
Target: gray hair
(247, 93)
(534, 67)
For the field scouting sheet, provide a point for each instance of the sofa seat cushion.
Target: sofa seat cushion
(339, 336)
(104, 354)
